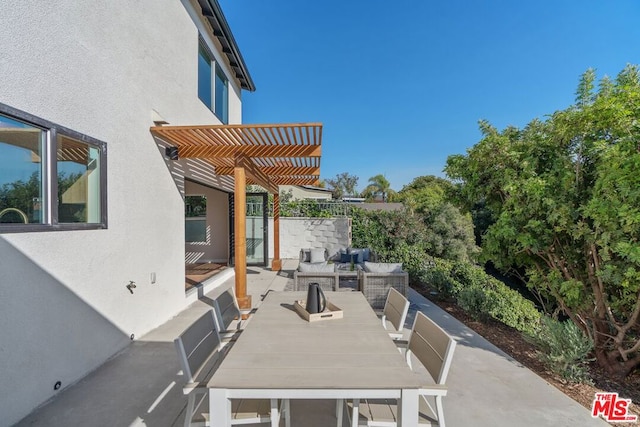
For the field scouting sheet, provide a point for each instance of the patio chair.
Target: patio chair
(433, 348)
(377, 278)
(228, 314)
(322, 273)
(395, 313)
(200, 353)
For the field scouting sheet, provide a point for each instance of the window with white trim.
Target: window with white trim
(51, 178)
(213, 84)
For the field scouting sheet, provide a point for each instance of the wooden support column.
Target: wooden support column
(240, 242)
(276, 264)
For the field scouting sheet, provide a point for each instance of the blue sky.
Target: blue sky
(399, 86)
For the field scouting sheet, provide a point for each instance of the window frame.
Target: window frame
(50, 170)
(215, 66)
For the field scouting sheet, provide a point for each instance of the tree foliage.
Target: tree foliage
(379, 187)
(425, 193)
(565, 196)
(342, 185)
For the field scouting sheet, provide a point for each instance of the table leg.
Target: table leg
(275, 412)
(355, 413)
(409, 408)
(219, 408)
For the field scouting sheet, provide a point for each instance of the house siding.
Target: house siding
(99, 68)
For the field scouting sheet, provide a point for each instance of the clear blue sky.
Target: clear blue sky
(401, 85)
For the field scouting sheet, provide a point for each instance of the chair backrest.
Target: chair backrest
(396, 308)
(197, 344)
(226, 309)
(432, 346)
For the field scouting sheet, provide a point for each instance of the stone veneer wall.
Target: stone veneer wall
(298, 233)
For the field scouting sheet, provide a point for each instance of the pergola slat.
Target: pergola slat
(288, 153)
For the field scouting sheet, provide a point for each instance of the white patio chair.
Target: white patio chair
(394, 314)
(433, 348)
(228, 315)
(200, 353)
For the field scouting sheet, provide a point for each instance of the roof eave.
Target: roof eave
(212, 11)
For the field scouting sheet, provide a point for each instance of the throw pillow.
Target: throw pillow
(358, 255)
(365, 253)
(382, 267)
(305, 255)
(317, 255)
(321, 267)
(345, 257)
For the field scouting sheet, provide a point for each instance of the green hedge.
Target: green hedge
(482, 295)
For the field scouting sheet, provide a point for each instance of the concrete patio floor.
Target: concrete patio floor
(142, 386)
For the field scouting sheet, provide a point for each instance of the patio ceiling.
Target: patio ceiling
(272, 154)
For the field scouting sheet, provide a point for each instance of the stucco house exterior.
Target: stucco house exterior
(92, 198)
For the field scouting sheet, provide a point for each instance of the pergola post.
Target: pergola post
(276, 264)
(240, 242)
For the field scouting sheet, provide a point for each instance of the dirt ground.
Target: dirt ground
(511, 342)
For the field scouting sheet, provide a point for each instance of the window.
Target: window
(195, 212)
(38, 160)
(222, 95)
(213, 85)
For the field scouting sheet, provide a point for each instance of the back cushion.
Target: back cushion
(321, 267)
(317, 255)
(382, 267)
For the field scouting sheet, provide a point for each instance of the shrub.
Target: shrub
(474, 300)
(564, 348)
(395, 236)
(481, 295)
(511, 308)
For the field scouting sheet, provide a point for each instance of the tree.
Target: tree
(378, 186)
(343, 185)
(565, 195)
(425, 193)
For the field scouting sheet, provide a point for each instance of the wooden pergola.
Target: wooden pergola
(266, 155)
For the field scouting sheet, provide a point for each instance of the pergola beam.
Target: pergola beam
(255, 174)
(264, 151)
(276, 171)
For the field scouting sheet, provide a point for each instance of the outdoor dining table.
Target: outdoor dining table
(280, 355)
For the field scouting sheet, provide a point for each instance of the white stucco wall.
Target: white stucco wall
(297, 233)
(99, 68)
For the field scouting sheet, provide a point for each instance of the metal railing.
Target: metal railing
(306, 208)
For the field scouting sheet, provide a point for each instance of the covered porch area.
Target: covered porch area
(265, 155)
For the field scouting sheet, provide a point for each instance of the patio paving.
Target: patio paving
(141, 386)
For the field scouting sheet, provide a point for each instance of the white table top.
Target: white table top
(280, 350)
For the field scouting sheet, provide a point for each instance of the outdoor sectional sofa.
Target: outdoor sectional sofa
(374, 279)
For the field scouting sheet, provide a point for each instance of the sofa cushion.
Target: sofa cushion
(382, 267)
(320, 267)
(317, 255)
(363, 254)
(345, 257)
